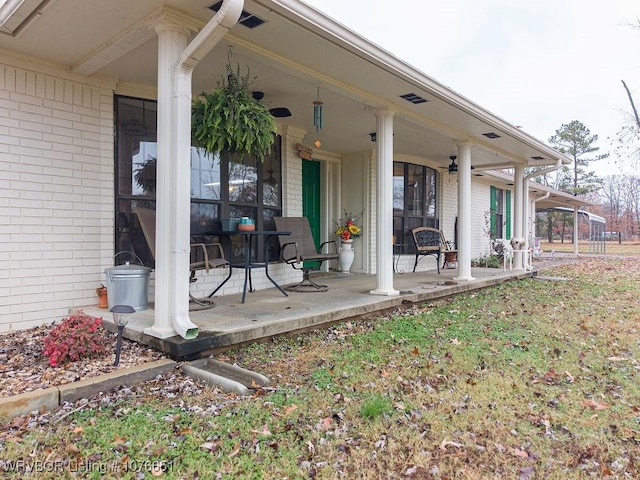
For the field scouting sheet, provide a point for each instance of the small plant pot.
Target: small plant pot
(103, 301)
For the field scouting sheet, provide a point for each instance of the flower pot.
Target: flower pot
(103, 302)
(346, 254)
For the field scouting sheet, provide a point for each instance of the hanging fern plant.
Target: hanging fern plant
(229, 119)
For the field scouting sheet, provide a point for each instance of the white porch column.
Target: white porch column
(464, 212)
(526, 220)
(575, 230)
(172, 40)
(384, 204)
(176, 62)
(518, 212)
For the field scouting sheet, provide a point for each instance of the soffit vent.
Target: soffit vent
(538, 158)
(413, 98)
(491, 135)
(247, 19)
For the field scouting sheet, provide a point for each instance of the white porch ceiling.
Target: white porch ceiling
(296, 50)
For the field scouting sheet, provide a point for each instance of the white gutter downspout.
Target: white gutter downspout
(174, 222)
(528, 220)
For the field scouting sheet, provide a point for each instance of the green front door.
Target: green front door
(311, 200)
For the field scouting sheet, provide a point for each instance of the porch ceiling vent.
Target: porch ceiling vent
(247, 19)
(413, 98)
(491, 135)
(538, 158)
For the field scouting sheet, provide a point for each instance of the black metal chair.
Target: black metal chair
(431, 241)
(300, 248)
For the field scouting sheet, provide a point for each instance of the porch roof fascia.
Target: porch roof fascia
(349, 40)
(557, 197)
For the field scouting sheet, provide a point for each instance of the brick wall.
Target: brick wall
(480, 199)
(56, 204)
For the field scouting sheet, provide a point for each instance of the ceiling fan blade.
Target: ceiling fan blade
(280, 112)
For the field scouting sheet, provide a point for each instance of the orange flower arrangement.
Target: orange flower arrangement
(348, 227)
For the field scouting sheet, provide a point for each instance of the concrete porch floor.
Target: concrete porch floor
(267, 313)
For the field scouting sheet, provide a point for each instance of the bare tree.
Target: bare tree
(633, 106)
(628, 141)
(627, 146)
(612, 188)
(631, 197)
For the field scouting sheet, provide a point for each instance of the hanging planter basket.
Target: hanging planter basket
(229, 119)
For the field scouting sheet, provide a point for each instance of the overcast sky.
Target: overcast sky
(537, 63)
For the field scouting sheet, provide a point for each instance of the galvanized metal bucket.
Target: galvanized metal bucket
(128, 284)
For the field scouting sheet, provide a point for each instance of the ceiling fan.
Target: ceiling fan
(278, 112)
(453, 166)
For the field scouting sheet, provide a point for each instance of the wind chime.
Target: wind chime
(317, 118)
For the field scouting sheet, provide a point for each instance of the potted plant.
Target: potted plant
(229, 119)
(347, 230)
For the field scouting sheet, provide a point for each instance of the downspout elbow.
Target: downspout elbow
(185, 327)
(558, 164)
(223, 21)
(543, 197)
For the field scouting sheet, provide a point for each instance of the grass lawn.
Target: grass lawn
(526, 380)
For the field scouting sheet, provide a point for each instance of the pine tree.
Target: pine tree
(575, 140)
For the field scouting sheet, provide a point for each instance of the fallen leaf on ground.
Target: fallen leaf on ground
(324, 424)
(290, 409)
(235, 451)
(593, 405)
(448, 443)
(526, 473)
(263, 431)
(211, 446)
(520, 453)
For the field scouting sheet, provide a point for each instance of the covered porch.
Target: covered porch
(267, 313)
(111, 95)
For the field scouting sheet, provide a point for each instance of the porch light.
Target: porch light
(453, 167)
(121, 315)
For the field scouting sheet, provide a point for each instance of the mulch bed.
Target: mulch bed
(24, 368)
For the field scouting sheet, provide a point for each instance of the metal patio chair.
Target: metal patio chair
(203, 256)
(431, 241)
(299, 248)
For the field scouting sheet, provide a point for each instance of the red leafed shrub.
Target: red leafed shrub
(78, 336)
